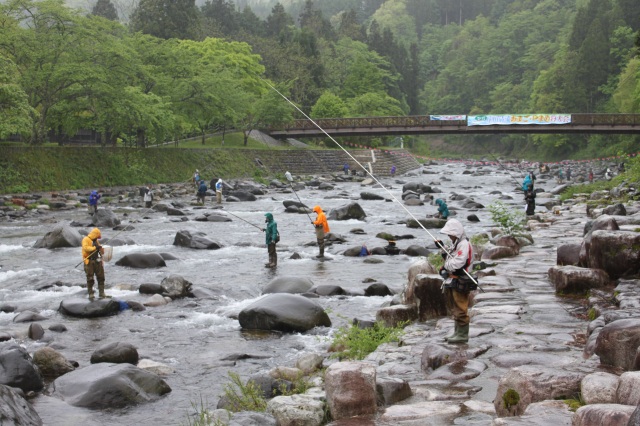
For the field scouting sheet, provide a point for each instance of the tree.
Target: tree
(167, 19)
(222, 15)
(17, 115)
(329, 106)
(106, 9)
(278, 21)
(374, 105)
(269, 110)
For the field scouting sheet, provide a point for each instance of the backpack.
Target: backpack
(277, 236)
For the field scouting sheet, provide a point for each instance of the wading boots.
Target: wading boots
(461, 336)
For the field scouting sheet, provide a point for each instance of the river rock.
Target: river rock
(151, 288)
(292, 285)
(413, 202)
(616, 252)
(155, 367)
(429, 223)
(218, 218)
(634, 420)
(283, 312)
(378, 289)
(116, 353)
(51, 363)
(615, 210)
(171, 211)
(458, 371)
(421, 413)
(417, 187)
(350, 211)
(391, 390)
(304, 410)
(106, 385)
(532, 383)
(243, 195)
(296, 204)
(416, 250)
(176, 287)
(83, 308)
(142, 260)
(603, 414)
(351, 389)
(425, 293)
(328, 290)
(617, 344)
(498, 252)
(251, 418)
(60, 236)
(36, 332)
(195, 240)
(392, 316)
(599, 388)
(602, 223)
(435, 356)
(568, 254)
(15, 410)
(18, 370)
(572, 279)
(370, 196)
(628, 392)
(309, 363)
(105, 218)
(28, 316)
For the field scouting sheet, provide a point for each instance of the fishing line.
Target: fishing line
(500, 164)
(290, 179)
(227, 211)
(366, 171)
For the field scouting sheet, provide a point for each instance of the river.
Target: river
(193, 336)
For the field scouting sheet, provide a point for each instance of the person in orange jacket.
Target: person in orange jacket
(322, 227)
(92, 253)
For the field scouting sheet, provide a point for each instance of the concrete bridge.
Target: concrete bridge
(429, 124)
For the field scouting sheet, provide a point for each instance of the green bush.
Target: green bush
(356, 343)
(244, 397)
(511, 222)
(436, 260)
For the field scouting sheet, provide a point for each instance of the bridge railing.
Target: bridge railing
(425, 121)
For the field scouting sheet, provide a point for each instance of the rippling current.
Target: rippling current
(193, 336)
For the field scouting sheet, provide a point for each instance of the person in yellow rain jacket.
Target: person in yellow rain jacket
(91, 255)
(322, 227)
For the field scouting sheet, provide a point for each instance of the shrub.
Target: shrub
(356, 343)
(244, 397)
(511, 222)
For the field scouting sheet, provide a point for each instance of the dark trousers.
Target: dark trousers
(94, 267)
(273, 257)
(458, 304)
(320, 238)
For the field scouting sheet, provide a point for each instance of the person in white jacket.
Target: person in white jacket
(457, 290)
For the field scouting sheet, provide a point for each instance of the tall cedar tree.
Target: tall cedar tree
(106, 9)
(167, 19)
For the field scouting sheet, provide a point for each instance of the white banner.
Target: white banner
(509, 119)
(447, 117)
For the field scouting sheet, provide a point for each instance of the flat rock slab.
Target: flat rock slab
(83, 308)
(429, 413)
(515, 359)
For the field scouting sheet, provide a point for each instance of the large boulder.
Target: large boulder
(628, 392)
(498, 252)
(533, 383)
(176, 287)
(572, 279)
(307, 410)
(370, 196)
(83, 308)
(116, 353)
(292, 285)
(599, 388)
(60, 236)
(283, 312)
(616, 252)
(106, 385)
(568, 254)
(105, 218)
(603, 223)
(617, 344)
(392, 316)
(195, 240)
(391, 390)
(350, 211)
(142, 260)
(351, 389)
(425, 292)
(603, 414)
(51, 363)
(18, 370)
(243, 195)
(429, 223)
(15, 410)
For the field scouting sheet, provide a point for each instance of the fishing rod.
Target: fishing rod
(256, 226)
(290, 179)
(370, 174)
(503, 167)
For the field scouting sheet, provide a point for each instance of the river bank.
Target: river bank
(518, 321)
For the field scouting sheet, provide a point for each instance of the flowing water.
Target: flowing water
(193, 336)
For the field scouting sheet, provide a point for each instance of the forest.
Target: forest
(168, 69)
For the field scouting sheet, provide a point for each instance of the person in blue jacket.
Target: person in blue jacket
(93, 202)
(443, 210)
(271, 238)
(202, 191)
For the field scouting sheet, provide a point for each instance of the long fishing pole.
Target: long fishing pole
(503, 167)
(290, 179)
(370, 174)
(256, 226)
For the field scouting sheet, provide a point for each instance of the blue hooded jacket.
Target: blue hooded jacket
(442, 208)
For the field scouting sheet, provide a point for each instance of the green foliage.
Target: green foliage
(575, 403)
(436, 260)
(510, 398)
(356, 343)
(243, 397)
(511, 222)
(592, 314)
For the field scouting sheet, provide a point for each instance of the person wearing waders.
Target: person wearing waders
(455, 290)
(271, 233)
(148, 197)
(219, 191)
(92, 253)
(530, 199)
(93, 202)
(322, 227)
(202, 192)
(443, 210)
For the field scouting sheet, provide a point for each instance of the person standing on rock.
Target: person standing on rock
(457, 289)
(148, 197)
(443, 209)
(93, 202)
(530, 199)
(322, 227)
(219, 191)
(393, 171)
(345, 168)
(272, 237)
(202, 192)
(92, 253)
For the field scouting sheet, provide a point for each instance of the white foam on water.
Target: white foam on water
(5, 248)
(208, 320)
(7, 275)
(234, 308)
